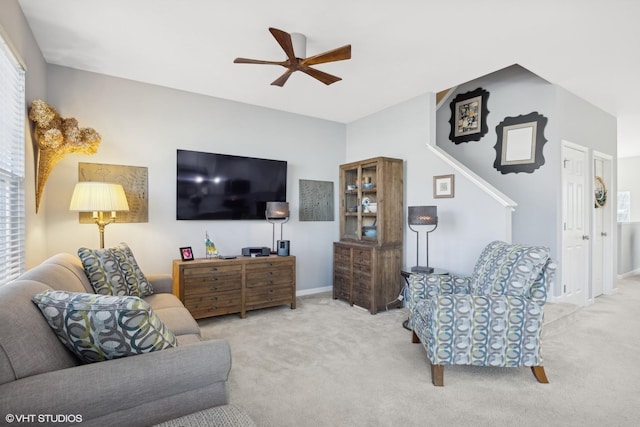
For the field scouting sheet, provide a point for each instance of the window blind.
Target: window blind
(12, 141)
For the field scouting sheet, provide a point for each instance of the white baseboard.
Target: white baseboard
(628, 274)
(314, 291)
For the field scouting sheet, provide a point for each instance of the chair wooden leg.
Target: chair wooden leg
(538, 372)
(437, 375)
(414, 338)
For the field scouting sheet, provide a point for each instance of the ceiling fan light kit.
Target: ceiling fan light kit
(294, 46)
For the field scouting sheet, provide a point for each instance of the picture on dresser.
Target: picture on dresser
(186, 253)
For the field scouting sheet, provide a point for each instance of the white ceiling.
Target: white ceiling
(400, 48)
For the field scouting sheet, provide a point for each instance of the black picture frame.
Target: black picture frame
(519, 145)
(186, 253)
(468, 120)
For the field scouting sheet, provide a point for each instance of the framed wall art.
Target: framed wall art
(519, 144)
(443, 186)
(316, 200)
(469, 116)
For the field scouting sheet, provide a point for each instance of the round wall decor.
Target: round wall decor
(600, 193)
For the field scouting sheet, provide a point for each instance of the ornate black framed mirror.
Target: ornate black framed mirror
(520, 143)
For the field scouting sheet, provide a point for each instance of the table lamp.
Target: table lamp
(418, 216)
(276, 212)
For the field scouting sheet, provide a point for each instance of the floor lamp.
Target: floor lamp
(99, 197)
(277, 212)
(418, 216)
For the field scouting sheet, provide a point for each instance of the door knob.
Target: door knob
(585, 237)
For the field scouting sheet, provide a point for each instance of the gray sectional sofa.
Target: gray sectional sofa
(40, 380)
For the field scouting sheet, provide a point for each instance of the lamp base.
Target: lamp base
(420, 269)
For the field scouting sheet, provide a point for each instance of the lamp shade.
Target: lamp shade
(277, 210)
(92, 196)
(423, 215)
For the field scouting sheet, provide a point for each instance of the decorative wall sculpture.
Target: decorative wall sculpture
(57, 137)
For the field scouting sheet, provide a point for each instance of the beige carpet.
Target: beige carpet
(329, 364)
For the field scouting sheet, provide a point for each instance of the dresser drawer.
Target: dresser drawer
(361, 299)
(280, 294)
(213, 305)
(341, 284)
(212, 285)
(362, 256)
(211, 271)
(266, 278)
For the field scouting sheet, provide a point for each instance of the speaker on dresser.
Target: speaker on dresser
(283, 247)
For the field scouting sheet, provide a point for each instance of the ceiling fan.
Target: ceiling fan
(295, 63)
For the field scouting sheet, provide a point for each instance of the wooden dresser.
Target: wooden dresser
(213, 287)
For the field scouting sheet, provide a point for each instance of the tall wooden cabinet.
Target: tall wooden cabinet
(367, 260)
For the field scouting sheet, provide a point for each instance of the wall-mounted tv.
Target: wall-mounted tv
(221, 186)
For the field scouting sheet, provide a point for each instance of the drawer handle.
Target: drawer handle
(213, 288)
(271, 282)
(214, 268)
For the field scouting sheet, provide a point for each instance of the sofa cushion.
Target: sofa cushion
(114, 271)
(136, 280)
(508, 269)
(101, 327)
(173, 314)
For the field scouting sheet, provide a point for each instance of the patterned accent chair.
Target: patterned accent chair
(491, 318)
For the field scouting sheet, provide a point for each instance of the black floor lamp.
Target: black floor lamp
(418, 216)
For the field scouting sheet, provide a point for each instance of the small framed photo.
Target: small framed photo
(443, 186)
(186, 253)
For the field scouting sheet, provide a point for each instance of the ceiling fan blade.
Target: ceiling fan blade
(339, 54)
(280, 81)
(256, 61)
(284, 40)
(325, 78)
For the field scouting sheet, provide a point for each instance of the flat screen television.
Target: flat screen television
(222, 187)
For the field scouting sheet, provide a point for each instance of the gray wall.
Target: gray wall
(15, 27)
(512, 92)
(404, 131)
(143, 125)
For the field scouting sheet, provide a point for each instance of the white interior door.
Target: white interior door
(575, 236)
(602, 268)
